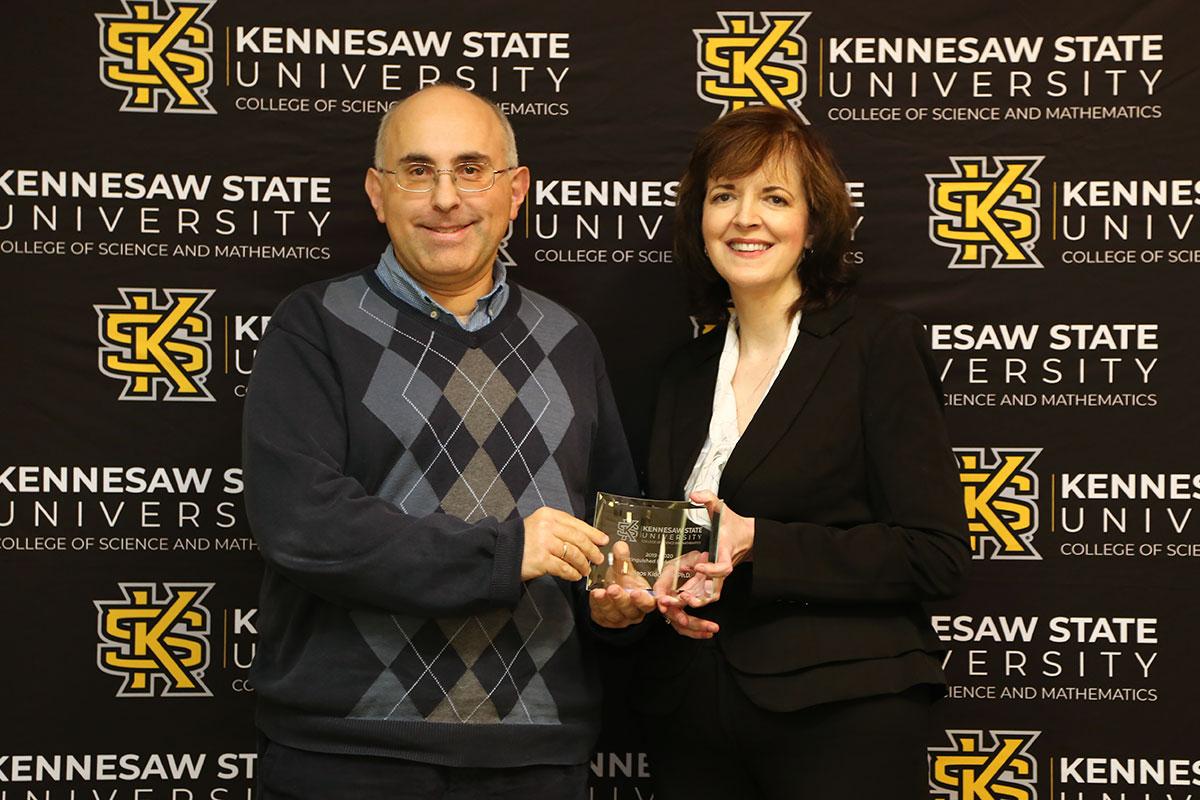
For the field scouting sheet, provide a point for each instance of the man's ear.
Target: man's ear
(520, 188)
(374, 186)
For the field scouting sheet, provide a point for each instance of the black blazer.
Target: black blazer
(848, 470)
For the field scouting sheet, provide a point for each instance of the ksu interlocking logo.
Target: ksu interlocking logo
(151, 346)
(159, 644)
(628, 530)
(967, 771)
(154, 57)
(742, 65)
(978, 213)
(503, 257)
(1000, 493)
(700, 328)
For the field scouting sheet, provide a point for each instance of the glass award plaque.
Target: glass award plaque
(653, 544)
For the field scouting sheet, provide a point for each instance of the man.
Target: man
(420, 440)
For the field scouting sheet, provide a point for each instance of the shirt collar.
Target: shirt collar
(400, 283)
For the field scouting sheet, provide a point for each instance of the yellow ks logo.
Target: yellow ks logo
(1000, 493)
(152, 57)
(967, 771)
(151, 345)
(981, 214)
(742, 65)
(159, 645)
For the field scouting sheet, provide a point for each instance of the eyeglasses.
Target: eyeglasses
(467, 176)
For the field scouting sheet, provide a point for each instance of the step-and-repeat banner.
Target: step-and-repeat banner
(1026, 179)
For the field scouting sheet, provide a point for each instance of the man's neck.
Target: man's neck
(461, 300)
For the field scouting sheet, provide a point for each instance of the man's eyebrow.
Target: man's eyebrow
(461, 158)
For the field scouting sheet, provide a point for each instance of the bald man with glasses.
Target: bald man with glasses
(422, 440)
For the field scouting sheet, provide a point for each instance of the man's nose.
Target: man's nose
(444, 194)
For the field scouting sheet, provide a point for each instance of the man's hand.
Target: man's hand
(626, 599)
(614, 607)
(558, 544)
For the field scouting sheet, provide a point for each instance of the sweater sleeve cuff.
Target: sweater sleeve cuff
(622, 637)
(506, 570)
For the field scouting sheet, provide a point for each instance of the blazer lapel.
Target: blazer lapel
(786, 399)
(693, 408)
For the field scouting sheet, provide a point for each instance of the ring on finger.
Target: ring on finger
(564, 552)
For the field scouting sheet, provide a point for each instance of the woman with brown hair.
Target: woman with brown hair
(812, 419)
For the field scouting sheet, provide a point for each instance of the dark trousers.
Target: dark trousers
(285, 773)
(720, 745)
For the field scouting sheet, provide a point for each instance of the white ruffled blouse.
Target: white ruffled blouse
(723, 433)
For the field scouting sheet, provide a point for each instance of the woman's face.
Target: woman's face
(756, 227)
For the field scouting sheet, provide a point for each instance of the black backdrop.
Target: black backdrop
(1026, 180)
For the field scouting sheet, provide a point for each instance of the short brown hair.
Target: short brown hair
(736, 145)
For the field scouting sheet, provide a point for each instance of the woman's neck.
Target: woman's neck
(763, 322)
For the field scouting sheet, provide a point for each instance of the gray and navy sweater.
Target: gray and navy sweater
(389, 461)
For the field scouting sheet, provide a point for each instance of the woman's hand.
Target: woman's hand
(735, 543)
(684, 623)
(672, 597)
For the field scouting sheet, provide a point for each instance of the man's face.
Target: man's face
(446, 239)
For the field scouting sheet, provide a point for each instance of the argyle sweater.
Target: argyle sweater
(389, 460)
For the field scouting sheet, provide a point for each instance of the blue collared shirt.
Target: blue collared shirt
(401, 284)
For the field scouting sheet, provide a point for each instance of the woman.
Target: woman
(812, 419)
